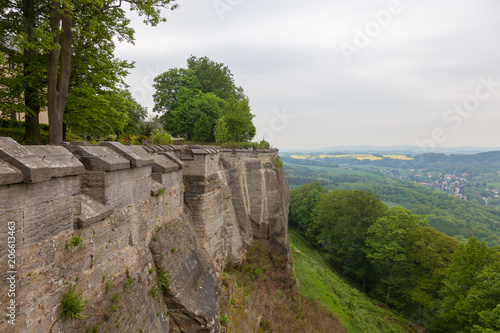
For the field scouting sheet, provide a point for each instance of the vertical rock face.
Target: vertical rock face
(138, 232)
(260, 197)
(246, 197)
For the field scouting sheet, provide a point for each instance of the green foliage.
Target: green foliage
(354, 311)
(202, 103)
(72, 306)
(386, 241)
(161, 138)
(303, 205)
(202, 128)
(340, 227)
(115, 297)
(221, 132)
(239, 145)
(223, 319)
(278, 164)
(163, 279)
(264, 144)
(129, 281)
(74, 243)
(154, 292)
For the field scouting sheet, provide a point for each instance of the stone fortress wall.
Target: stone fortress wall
(186, 210)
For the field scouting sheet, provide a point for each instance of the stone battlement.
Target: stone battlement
(185, 210)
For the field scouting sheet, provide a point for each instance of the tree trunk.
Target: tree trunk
(55, 121)
(389, 285)
(59, 58)
(32, 126)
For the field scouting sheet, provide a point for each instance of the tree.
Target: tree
(53, 31)
(462, 275)
(169, 86)
(205, 87)
(191, 104)
(429, 254)
(386, 240)
(214, 77)
(239, 120)
(342, 219)
(63, 23)
(220, 131)
(303, 206)
(202, 128)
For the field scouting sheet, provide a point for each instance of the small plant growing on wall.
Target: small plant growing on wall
(278, 164)
(72, 306)
(74, 243)
(163, 279)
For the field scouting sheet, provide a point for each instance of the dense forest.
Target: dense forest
(395, 257)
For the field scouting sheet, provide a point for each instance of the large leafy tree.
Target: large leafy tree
(429, 254)
(459, 311)
(59, 30)
(386, 248)
(204, 93)
(342, 220)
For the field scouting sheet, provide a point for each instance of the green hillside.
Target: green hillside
(356, 312)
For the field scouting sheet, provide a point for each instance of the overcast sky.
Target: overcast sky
(331, 73)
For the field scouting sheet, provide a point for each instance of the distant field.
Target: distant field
(359, 157)
(356, 312)
(336, 171)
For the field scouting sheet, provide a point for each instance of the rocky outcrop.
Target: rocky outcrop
(138, 232)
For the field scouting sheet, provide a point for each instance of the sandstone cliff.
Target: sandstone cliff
(139, 232)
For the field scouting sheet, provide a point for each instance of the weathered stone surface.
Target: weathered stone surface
(163, 164)
(192, 297)
(200, 221)
(9, 174)
(136, 159)
(91, 212)
(173, 158)
(32, 166)
(99, 158)
(62, 162)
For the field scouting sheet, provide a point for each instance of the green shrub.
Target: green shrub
(223, 319)
(161, 138)
(264, 144)
(75, 242)
(163, 279)
(72, 306)
(238, 145)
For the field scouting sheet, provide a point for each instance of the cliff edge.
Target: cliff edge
(135, 233)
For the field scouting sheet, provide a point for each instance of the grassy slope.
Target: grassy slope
(354, 310)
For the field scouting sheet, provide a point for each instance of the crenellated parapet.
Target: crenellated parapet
(183, 209)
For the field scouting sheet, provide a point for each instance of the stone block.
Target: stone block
(54, 189)
(9, 174)
(46, 220)
(99, 158)
(91, 212)
(136, 160)
(62, 162)
(174, 158)
(163, 164)
(33, 167)
(13, 196)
